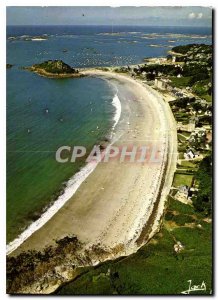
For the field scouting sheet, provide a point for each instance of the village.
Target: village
(184, 78)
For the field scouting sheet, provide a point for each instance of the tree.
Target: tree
(203, 201)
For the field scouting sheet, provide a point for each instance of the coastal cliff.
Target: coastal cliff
(54, 69)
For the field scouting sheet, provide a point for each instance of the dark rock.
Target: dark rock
(9, 66)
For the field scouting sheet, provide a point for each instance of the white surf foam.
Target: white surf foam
(72, 186)
(117, 104)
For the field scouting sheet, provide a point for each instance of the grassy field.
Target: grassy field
(181, 154)
(156, 268)
(188, 164)
(185, 133)
(180, 82)
(182, 179)
(181, 137)
(207, 97)
(182, 147)
(198, 88)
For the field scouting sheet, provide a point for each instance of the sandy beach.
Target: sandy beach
(120, 203)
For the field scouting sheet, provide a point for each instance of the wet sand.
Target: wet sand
(115, 203)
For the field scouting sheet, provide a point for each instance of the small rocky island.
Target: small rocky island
(54, 69)
(9, 66)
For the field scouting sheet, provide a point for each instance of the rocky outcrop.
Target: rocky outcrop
(54, 69)
(9, 66)
(42, 272)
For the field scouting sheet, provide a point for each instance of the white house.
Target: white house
(189, 154)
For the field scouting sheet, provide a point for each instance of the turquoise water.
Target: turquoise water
(44, 114)
(75, 108)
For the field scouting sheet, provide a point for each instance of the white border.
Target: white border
(114, 3)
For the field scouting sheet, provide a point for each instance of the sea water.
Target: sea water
(44, 114)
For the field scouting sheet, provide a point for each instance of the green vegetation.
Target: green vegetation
(200, 83)
(103, 69)
(180, 207)
(182, 148)
(182, 103)
(179, 219)
(196, 70)
(180, 82)
(196, 48)
(185, 133)
(182, 117)
(203, 201)
(199, 77)
(203, 89)
(208, 98)
(55, 67)
(121, 70)
(167, 69)
(181, 155)
(30, 266)
(183, 49)
(188, 164)
(182, 137)
(182, 179)
(156, 268)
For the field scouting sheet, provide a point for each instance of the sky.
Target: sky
(71, 15)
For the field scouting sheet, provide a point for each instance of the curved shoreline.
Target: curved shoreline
(115, 203)
(71, 187)
(116, 103)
